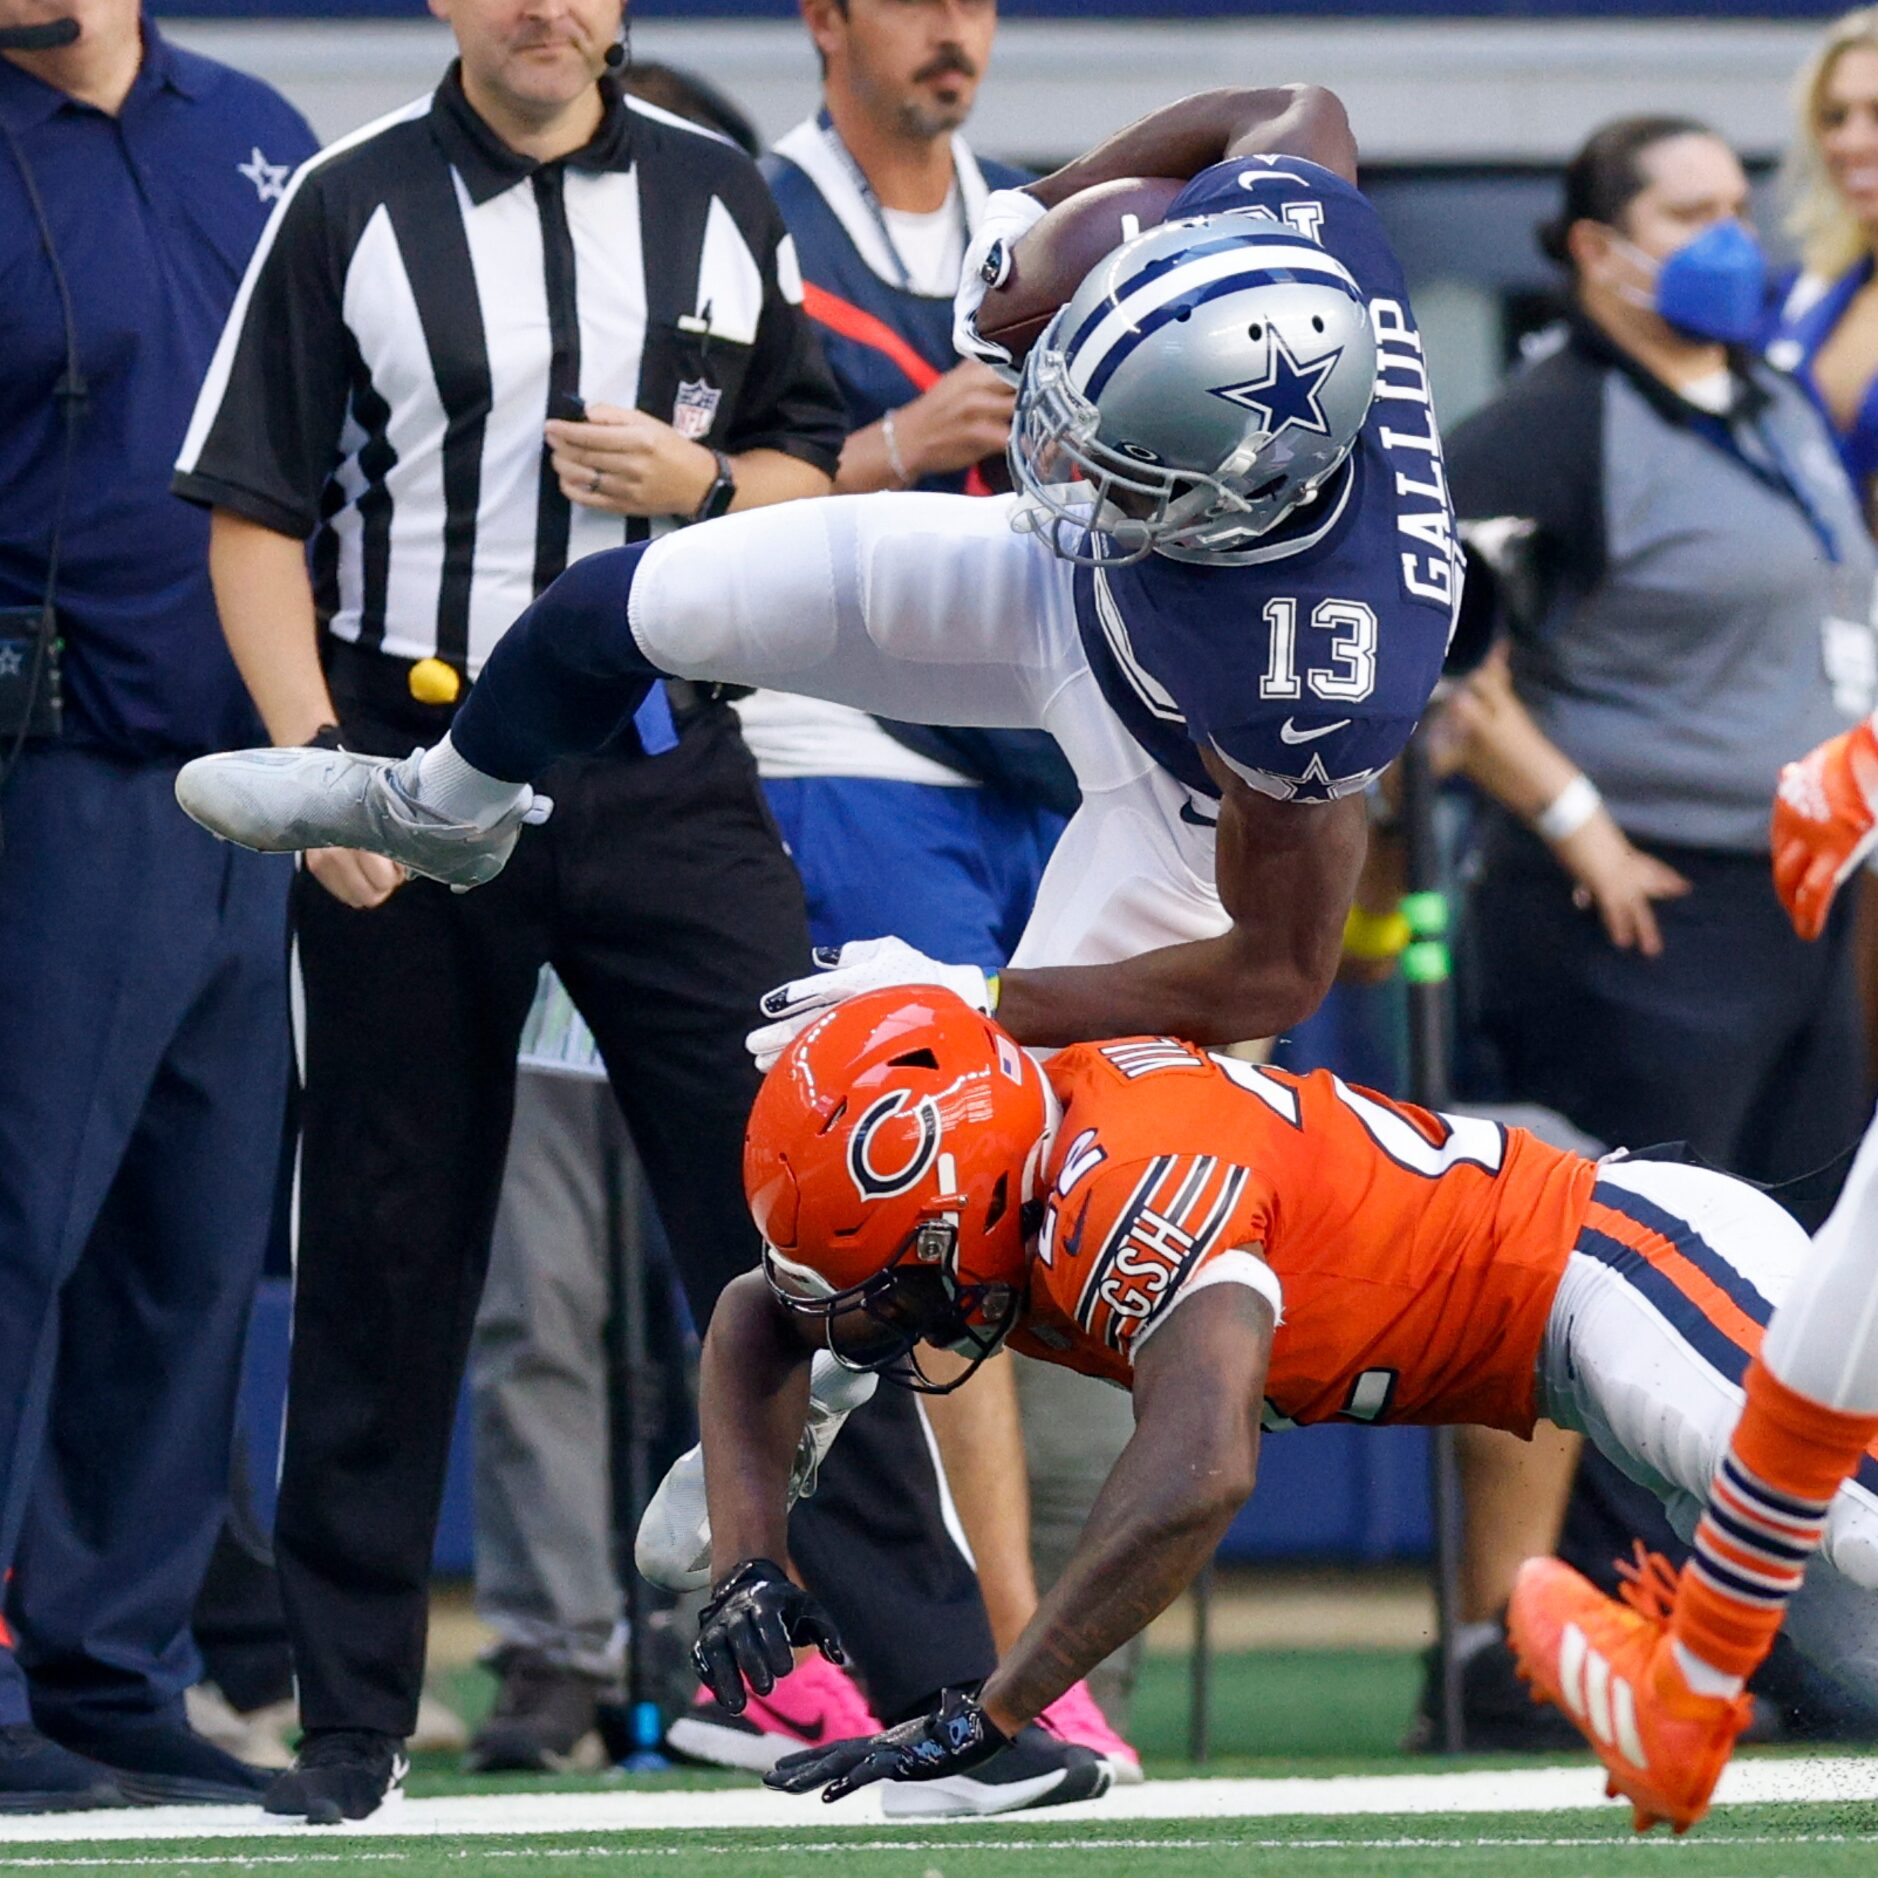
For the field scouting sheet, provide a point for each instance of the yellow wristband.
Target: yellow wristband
(994, 988)
(1369, 935)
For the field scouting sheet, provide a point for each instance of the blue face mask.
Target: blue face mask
(1714, 287)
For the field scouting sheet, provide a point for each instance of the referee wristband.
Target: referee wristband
(1569, 810)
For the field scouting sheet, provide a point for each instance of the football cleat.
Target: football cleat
(1825, 823)
(1036, 1770)
(816, 1704)
(673, 1545)
(1610, 1666)
(1076, 1716)
(283, 801)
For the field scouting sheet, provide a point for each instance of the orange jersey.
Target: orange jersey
(1418, 1253)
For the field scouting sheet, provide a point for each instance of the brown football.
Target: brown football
(1050, 262)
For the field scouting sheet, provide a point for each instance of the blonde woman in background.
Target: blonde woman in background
(1826, 331)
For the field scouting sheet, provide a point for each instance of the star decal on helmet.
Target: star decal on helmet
(1286, 395)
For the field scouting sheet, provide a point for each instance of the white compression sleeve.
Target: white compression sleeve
(1823, 1340)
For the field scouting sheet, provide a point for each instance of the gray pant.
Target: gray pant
(545, 1574)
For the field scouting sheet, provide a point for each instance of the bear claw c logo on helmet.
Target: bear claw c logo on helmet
(871, 1181)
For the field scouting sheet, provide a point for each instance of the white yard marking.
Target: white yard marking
(1512, 1790)
(911, 1847)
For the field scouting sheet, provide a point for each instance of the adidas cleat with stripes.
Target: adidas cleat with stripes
(283, 801)
(1609, 1666)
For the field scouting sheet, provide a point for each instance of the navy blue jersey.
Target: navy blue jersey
(1306, 669)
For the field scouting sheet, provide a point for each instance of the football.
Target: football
(1050, 262)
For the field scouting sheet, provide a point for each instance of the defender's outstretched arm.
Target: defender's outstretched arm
(1187, 1470)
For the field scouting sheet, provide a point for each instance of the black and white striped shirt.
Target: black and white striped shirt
(421, 301)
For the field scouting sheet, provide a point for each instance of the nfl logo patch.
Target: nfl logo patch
(695, 407)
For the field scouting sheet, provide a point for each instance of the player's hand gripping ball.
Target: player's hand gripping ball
(1825, 823)
(844, 972)
(957, 1735)
(1023, 263)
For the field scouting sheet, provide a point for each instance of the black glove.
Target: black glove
(750, 1628)
(958, 1734)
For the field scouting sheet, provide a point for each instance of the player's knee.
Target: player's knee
(751, 600)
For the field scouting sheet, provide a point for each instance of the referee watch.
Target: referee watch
(721, 494)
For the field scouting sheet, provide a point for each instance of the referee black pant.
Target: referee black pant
(661, 895)
(1742, 1040)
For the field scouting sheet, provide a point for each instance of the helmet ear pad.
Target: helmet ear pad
(1205, 382)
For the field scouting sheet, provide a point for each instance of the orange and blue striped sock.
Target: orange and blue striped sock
(1765, 1517)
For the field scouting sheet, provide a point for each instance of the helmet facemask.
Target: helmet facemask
(916, 1297)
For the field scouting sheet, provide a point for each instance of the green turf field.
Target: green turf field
(1752, 1842)
(1277, 1715)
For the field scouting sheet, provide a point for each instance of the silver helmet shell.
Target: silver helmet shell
(1205, 379)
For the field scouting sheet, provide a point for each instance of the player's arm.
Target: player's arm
(753, 1399)
(1287, 872)
(1184, 138)
(1186, 1471)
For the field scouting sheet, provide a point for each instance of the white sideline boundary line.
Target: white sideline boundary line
(1849, 1779)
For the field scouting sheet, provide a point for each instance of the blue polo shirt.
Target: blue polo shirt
(154, 213)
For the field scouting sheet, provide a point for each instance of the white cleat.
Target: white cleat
(673, 1547)
(281, 801)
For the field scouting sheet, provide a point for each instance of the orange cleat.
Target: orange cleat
(1610, 1667)
(1825, 823)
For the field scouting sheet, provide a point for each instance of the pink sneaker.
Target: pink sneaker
(1074, 1716)
(817, 1704)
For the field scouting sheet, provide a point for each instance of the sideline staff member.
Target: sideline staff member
(143, 1010)
(440, 296)
(1702, 615)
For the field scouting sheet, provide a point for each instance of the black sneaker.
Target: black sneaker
(545, 1721)
(166, 1764)
(39, 1776)
(1037, 1769)
(340, 1773)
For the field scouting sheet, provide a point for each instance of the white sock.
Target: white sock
(1705, 1678)
(459, 792)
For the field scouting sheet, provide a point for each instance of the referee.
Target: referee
(514, 323)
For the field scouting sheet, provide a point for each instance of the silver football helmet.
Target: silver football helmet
(1204, 380)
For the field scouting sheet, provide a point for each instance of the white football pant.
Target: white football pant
(1631, 1363)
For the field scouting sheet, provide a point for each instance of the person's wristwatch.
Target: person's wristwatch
(722, 492)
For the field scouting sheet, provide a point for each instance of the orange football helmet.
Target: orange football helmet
(891, 1164)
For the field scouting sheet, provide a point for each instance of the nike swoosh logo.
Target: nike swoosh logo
(1289, 733)
(809, 1732)
(1188, 813)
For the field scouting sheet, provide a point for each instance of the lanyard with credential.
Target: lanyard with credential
(845, 157)
(1778, 473)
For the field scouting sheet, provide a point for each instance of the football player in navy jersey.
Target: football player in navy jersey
(1225, 582)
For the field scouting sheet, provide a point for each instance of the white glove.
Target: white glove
(845, 972)
(1009, 214)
